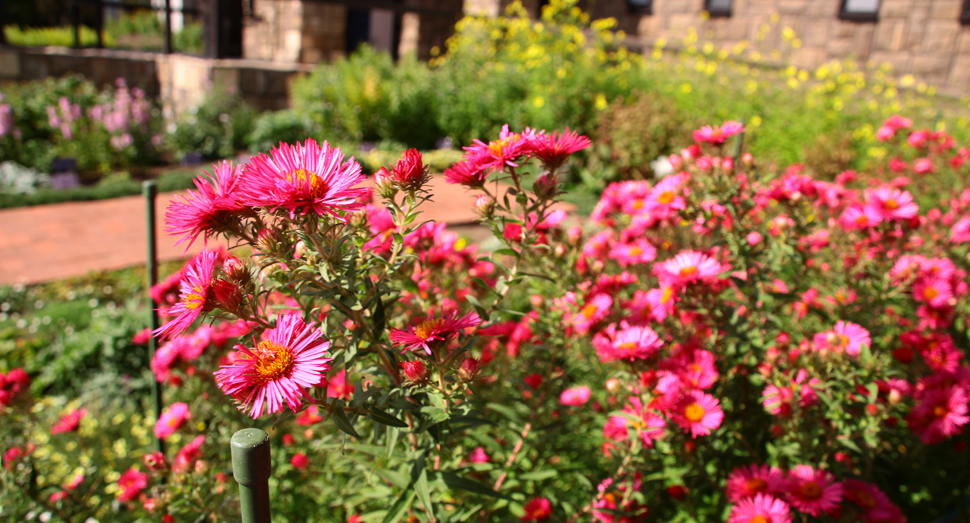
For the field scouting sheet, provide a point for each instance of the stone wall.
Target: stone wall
(180, 80)
(919, 37)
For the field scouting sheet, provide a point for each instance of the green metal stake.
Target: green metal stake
(252, 467)
(737, 145)
(150, 190)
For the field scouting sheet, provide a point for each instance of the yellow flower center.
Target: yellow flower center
(810, 490)
(610, 498)
(940, 411)
(272, 361)
(758, 519)
(930, 292)
(636, 251)
(194, 299)
(688, 271)
(862, 219)
(694, 412)
(891, 204)
(667, 295)
(498, 147)
(755, 485)
(628, 347)
(665, 197)
(589, 311)
(427, 328)
(638, 204)
(301, 178)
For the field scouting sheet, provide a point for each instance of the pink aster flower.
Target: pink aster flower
(553, 149)
(750, 480)
(638, 251)
(575, 396)
(303, 178)
(697, 412)
(761, 508)
(645, 423)
(845, 337)
(171, 419)
(187, 455)
(433, 333)
(339, 387)
(466, 173)
(595, 309)
(69, 422)
(923, 166)
(478, 456)
(210, 211)
(497, 154)
(537, 509)
(131, 483)
(666, 198)
(626, 344)
(960, 231)
(718, 135)
(939, 414)
(860, 217)
(871, 500)
(196, 295)
(897, 122)
(891, 204)
(696, 369)
(688, 267)
(813, 491)
(290, 359)
(934, 291)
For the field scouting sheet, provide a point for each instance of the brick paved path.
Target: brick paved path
(55, 241)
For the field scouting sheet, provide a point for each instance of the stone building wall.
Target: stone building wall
(920, 37)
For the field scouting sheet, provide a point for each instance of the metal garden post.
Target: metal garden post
(252, 467)
(150, 190)
(168, 26)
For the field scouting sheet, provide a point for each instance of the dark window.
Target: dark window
(860, 10)
(965, 13)
(644, 7)
(718, 7)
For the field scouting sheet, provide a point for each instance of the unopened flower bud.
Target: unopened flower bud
(228, 296)
(485, 205)
(537, 301)
(747, 159)
(299, 250)
(384, 184)
(575, 235)
(415, 371)
(410, 173)
(560, 250)
(613, 385)
(359, 219)
(895, 396)
(155, 461)
(201, 466)
(468, 370)
(546, 186)
(236, 271)
(269, 241)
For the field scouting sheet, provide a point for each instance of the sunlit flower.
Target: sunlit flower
(69, 422)
(432, 332)
(697, 412)
(188, 454)
(627, 343)
(939, 414)
(131, 483)
(688, 267)
(553, 149)
(303, 178)
(638, 251)
(575, 396)
(195, 297)
(279, 369)
(891, 204)
(718, 135)
(645, 423)
(595, 309)
(845, 337)
(171, 419)
(211, 210)
(537, 509)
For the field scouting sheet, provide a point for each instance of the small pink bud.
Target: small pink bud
(469, 369)
(415, 371)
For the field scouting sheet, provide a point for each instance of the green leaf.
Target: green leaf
(457, 482)
(400, 507)
(505, 252)
(382, 417)
(341, 421)
(539, 475)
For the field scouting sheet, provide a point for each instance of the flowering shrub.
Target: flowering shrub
(117, 127)
(726, 344)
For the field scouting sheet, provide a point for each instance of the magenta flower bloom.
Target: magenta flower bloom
(665, 199)
(433, 333)
(940, 414)
(761, 508)
(208, 212)
(466, 173)
(718, 135)
(195, 297)
(645, 423)
(553, 149)
(596, 309)
(279, 369)
(575, 396)
(188, 454)
(171, 419)
(638, 251)
(497, 154)
(303, 178)
(870, 499)
(627, 344)
(859, 217)
(131, 483)
(697, 412)
(69, 422)
(845, 337)
(936, 292)
(537, 509)
(813, 491)
(751, 480)
(688, 267)
(891, 204)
